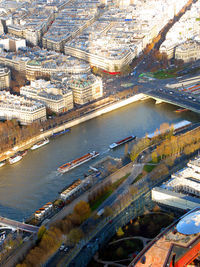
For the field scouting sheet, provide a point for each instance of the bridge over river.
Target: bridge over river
(18, 225)
(175, 98)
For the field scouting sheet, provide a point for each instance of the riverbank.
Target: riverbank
(70, 124)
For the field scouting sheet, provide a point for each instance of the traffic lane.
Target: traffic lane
(183, 100)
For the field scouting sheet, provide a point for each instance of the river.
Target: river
(30, 183)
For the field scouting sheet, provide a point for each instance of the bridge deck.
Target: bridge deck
(19, 225)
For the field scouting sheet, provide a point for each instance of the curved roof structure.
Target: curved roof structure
(190, 224)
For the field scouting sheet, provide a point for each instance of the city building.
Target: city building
(182, 191)
(11, 43)
(21, 109)
(38, 63)
(121, 33)
(188, 51)
(180, 39)
(177, 246)
(56, 97)
(69, 22)
(86, 88)
(30, 23)
(5, 77)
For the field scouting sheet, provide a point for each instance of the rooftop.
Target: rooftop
(178, 239)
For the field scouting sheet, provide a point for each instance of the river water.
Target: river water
(30, 183)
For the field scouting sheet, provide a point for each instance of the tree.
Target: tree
(75, 235)
(75, 219)
(108, 211)
(83, 210)
(154, 156)
(170, 160)
(120, 232)
(164, 127)
(41, 232)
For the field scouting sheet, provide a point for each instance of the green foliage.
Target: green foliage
(41, 232)
(138, 177)
(149, 168)
(94, 205)
(154, 156)
(116, 184)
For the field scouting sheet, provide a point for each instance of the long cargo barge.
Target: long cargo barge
(61, 132)
(77, 162)
(123, 141)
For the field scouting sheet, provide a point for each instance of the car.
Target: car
(62, 247)
(194, 99)
(66, 249)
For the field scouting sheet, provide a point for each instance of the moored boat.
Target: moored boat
(181, 110)
(39, 144)
(2, 163)
(15, 158)
(61, 132)
(75, 163)
(22, 153)
(123, 141)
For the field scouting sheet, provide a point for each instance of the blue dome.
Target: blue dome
(190, 224)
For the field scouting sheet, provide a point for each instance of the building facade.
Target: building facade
(21, 109)
(189, 51)
(54, 96)
(86, 89)
(5, 77)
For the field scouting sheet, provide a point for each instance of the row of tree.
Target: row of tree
(181, 144)
(49, 240)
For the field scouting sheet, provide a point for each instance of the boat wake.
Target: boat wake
(52, 175)
(106, 151)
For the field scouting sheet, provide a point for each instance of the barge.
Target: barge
(61, 132)
(123, 141)
(39, 144)
(77, 162)
(2, 163)
(15, 158)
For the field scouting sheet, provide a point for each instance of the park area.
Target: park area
(130, 239)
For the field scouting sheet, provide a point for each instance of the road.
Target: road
(123, 188)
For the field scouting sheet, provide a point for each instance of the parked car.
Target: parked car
(62, 247)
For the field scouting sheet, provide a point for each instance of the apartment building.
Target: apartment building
(5, 77)
(188, 51)
(21, 109)
(86, 89)
(56, 97)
